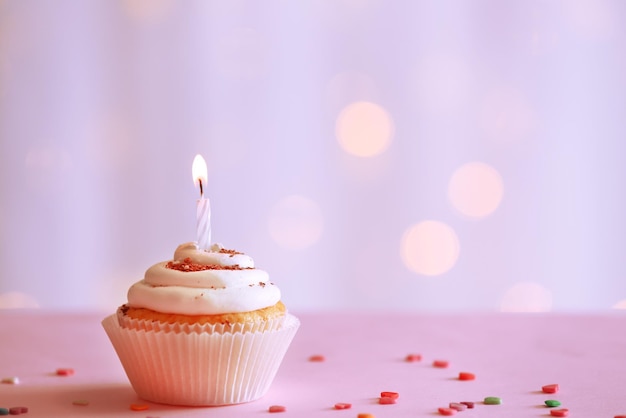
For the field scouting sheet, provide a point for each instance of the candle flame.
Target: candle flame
(199, 172)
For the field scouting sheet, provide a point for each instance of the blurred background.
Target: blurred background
(371, 155)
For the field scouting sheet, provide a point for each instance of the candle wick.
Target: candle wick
(201, 191)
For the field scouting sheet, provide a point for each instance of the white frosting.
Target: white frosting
(205, 292)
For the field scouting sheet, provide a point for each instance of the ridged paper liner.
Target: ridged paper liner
(200, 368)
(150, 325)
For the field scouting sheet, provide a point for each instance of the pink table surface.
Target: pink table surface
(513, 356)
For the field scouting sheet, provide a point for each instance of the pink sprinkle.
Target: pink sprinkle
(441, 363)
(343, 405)
(317, 357)
(447, 411)
(392, 395)
(469, 405)
(559, 412)
(413, 358)
(550, 388)
(386, 401)
(65, 372)
(17, 410)
(277, 408)
(458, 406)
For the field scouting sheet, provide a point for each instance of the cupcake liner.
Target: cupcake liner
(151, 325)
(187, 367)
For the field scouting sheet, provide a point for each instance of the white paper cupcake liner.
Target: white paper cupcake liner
(200, 368)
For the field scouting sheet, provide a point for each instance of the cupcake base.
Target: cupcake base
(179, 367)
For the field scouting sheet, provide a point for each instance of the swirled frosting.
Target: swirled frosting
(198, 282)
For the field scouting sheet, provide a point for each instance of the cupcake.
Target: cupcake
(206, 328)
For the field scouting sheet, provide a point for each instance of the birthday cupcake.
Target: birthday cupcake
(205, 328)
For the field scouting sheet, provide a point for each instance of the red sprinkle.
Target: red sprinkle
(458, 406)
(441, 363)
(467, 376)
(317, 357)
(550, 388)
(17, 410)
(138, 407)
(386, 401)
(277, 408)
(392, 395)
(413, 358)
(447, 411)
(619, 416)
(559, 412)
(470, 405)
(65, 372)
(342, 405)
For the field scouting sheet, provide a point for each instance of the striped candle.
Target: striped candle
(203, 206)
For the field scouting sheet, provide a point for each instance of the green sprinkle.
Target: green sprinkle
(4, 411)
(551, 402)
(492, 400)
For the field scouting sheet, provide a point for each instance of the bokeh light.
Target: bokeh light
(430, 248)
(620, 305)
(526, 297)
(506, 115)
(364, 129)
(475, 189)
(296, 222)
(16, 300)
(148, 11)
(592, 18)
(442, 82)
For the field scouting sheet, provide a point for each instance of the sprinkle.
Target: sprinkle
(65, 372)
(4, 411)
(550, 388)
(559, 412)
(470, 405)
(138, 407)
(342, 405)
(413, 358)
(277, 408)
(365, 416)
(441, 363)
(386, 401)
(317, 357)
(619, 416)
(11, 380)
(80, 402)
(18, 410)
(447, 411)
(467, 376)
(458, 406)
(492, 400)
(550, 403)
(392, 395)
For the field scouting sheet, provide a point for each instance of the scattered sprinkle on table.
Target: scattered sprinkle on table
(559, 412)
(551, 403)
(18, 410)
(65, 372)
(343, 405)
(413, 358)
(469, 405)
(447, 411)
(4, 411)
(365, 416)
(13, 380)
(393, 395)
(458, 406)
(441, 363)
(493, 400)
(554, 388)
(80, 402)
(138, 406)
(317, 357)
(386, 401)
(277, 408)
(467, 376)
(619, 416)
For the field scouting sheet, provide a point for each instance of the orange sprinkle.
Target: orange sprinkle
(138, 407)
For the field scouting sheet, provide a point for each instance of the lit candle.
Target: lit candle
(203, 208)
